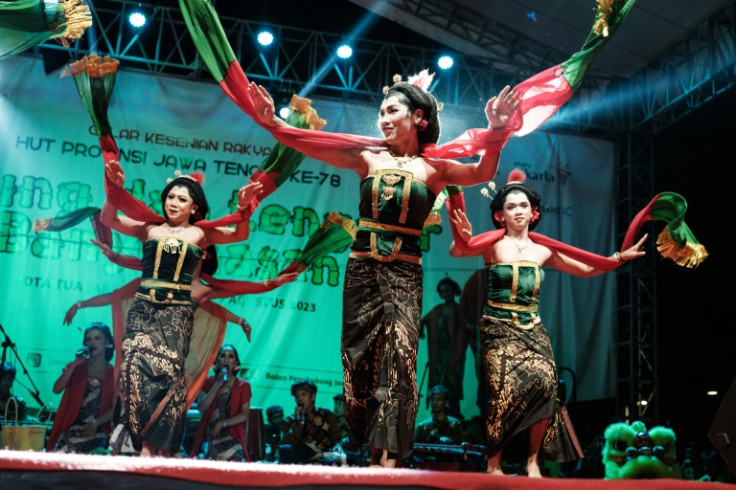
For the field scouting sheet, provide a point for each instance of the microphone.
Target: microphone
(83, 352)
(223, 371)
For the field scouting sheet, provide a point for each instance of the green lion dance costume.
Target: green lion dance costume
(632, 451)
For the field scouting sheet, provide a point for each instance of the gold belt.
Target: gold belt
(373, 225)
(359, 254)
(511, 306)
(167, 301)
(149, 283)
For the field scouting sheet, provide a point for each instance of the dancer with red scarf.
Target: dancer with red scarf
(516, 350)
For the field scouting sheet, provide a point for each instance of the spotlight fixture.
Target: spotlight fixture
(137, 19)
(445, 62)
(265, 38)
(344, 51)
(284, 112)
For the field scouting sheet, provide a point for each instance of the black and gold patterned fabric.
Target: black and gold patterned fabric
(519, 364)
(382, 308)
(157, 334)
(169, 265)
(393, 208)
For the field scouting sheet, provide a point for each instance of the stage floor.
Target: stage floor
(28, 470)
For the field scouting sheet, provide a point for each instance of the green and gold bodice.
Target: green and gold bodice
(393, 208)
(169, 265)
(513, 292)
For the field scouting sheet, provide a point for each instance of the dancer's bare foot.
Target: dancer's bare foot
(532, 470)
(494, 465)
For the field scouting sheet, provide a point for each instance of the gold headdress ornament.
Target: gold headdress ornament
(197, 177)
(489, 192)
(423, 80)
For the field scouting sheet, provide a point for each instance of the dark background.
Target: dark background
(696, 338)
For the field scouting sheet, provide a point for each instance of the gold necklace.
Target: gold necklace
(402, 160)
(176, 230)
(517, 243)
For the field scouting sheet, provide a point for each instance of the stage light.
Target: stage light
(344, 51)
(445, 62)
(265, 38)
(284, 112)
(712, 392)
(137, 19)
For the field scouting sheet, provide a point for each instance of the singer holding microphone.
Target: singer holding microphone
(82, 423)
(312, 435)
(224, 403)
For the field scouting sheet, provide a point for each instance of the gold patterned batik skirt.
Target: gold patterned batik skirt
(152, 384)
(382, 307)
(522, 381)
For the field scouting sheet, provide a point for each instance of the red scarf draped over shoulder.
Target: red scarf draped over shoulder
(239, 396)
(71, 402)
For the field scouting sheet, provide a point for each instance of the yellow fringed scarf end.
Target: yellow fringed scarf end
(41, 224)
(605, 7)
(303, 105)
(95, 66)
(433, 219)
(78, 18)
(688, 255)
(347, 224)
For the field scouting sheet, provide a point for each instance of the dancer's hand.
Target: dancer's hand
(281, 279)
(635, 251)
(247, 193)
(247, 329)
(462, 224)
(265, 107)
(70, 313)
(104, 248)
(115, 173)
(501, 108)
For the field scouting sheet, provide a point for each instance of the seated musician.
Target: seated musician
(440, 428)
(312, 434)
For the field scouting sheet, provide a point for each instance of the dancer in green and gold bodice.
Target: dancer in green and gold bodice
(516, 350)
(382, 296)
(159, 325)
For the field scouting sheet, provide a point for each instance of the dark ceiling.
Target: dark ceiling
(651, 30)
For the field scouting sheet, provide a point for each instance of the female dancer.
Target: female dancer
(382, 297)
(516, 349)
(224, 404)
(159, 325)
(82, 422)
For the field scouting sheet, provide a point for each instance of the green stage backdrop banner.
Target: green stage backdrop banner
(50, 164)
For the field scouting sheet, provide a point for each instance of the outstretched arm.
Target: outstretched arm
(208, 306)
(567, 264)
(233, 318)
(499, 111)
(99, 300)
(349, 158)
(109, 214)
(242, 229)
